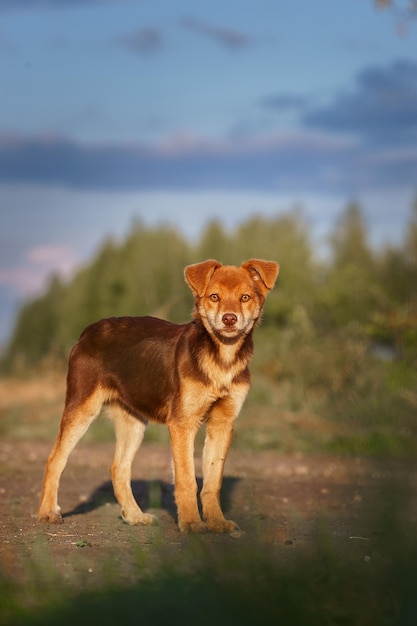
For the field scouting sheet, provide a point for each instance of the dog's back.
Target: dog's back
(131, 360)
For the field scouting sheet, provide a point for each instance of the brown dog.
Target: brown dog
(178, 374)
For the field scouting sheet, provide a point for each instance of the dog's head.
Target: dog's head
(229, 299)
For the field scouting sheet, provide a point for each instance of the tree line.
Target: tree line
(354, 288)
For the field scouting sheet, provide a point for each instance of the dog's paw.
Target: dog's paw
(50, 517)
(196, 526)
(140, 519)
(220, 525)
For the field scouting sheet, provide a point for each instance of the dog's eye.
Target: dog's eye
(214, 297)
(245, 297)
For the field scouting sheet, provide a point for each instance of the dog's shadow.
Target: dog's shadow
(149, 494)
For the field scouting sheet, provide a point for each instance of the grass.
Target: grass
(328, 394)
(309, 393)
(30, 407)
(226, 583)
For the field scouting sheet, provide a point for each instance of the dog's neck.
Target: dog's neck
(222, 364)
(232, 351)
(229, 350)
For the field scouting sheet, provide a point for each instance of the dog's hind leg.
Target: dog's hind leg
(76, 419)
(129, 436)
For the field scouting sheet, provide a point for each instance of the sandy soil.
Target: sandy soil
(287, 503)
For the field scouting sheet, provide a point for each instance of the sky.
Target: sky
(188, 111)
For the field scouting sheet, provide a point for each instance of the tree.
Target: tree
(36, 329)
(285, 239)
(399, 268)
(215, 244)
(404, 11)
(351, 291)
(349, 241)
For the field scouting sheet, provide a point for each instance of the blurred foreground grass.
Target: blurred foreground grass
(310, 393)
(227, 583)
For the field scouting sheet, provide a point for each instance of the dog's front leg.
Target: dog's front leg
(182, 443)
(216, 446)
(219, 432)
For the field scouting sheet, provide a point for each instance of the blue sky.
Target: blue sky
(185, 111)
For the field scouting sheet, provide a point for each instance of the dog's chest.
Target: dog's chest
(197, 397)
(220, 372)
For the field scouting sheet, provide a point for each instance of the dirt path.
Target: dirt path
(284, 502)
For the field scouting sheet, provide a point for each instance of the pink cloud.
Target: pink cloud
(185, 143)
(51, 255)
(41, 262)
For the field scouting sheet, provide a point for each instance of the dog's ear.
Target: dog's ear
(264, 272)
(198, 275)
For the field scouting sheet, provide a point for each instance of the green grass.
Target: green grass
(227, 583)
(310, 393)
(328, 394)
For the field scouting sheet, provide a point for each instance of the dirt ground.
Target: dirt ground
(287, 503)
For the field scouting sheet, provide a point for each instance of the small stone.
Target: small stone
(237, 534)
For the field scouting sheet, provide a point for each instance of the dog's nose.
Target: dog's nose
(229, 319)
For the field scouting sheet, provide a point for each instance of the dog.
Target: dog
(181, 375)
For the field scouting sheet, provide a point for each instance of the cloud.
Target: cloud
(232, 39)
(285, 102)
(182, 161)
(52, 254)
(22, 5)
(20, 278)
(143, 40)
(28, 276)
(302, 160)
(382, 106)
(362, 140)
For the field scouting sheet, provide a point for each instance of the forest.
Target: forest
(335, 355)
